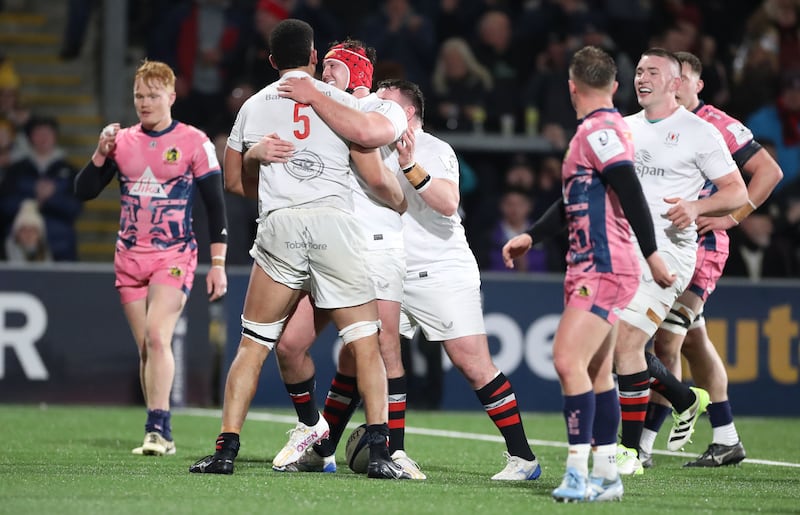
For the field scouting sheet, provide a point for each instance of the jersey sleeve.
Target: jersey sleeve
(608, 147)
(204, 160)
(714, 160)
(391, 110)
(235, 140)
(438, 159)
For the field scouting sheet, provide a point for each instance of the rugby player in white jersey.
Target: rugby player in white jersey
(441, 289)
(676, 152)
(307, 240)
(681, 335)
(349, 66)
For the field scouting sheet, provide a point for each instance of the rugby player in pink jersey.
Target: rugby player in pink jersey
(679, 334)
(158, 162)
(602, 201)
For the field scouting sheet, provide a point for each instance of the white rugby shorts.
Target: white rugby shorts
(387, 267)
(443, 304)
(652, 303)
(320, 250)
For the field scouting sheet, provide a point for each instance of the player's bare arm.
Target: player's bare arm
(515, 248)
(370, 130)
(381, 180)
(766, 174)
(441, 195)
(731, 194)
(235, 180)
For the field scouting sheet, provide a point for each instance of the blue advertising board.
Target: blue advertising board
(64, 339)
(754, 326)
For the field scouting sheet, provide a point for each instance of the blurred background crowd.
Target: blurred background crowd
(488, 68)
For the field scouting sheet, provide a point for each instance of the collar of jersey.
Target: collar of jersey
(156, 134)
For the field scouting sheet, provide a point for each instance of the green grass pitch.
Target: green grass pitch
(76, 460)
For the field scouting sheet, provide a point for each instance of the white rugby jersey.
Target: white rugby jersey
(319, 172)
(431, 238)
(381, 224)
(674, 157)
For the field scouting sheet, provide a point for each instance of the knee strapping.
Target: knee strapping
(359, 330)
(679, 318)
(699, 321)
(263, 334)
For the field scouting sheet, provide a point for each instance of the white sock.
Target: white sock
(647, 440)
(604, 461)
(725, 435)
(578, 457)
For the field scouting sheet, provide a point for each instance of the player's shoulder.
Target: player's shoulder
(635, 118)
(433, 144)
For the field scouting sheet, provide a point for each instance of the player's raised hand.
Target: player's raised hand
(658, 269)
(682, 213)
(299, 90)
(405, 148)
(107, 141)
(515, 248)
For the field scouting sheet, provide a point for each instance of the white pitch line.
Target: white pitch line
(285, 419)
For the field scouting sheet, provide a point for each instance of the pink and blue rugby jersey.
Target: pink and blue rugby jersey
(156, 177)
(599, 233)
(739, 139)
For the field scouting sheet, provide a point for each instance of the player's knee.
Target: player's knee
(263, 334)
(358, 330)
(679, 319)
(698, 322)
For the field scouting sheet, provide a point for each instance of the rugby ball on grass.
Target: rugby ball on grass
(357, 450)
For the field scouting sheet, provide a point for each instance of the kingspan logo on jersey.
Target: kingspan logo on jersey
(644, 167)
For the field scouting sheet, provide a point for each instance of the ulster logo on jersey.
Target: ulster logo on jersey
(672, 138)
(305, 165)
(172, 155)
(148, 186)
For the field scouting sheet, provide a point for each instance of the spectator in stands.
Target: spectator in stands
(515, 209)
(400, 34)
(327, 27)
(454, 18)
(45, 176)
(11, 107)
(756, 253)
(771, 43)
(507, 61)
(461, 88)
(779, 122)
(204, 41)
(257, 71)
(545, 91)
(27, 241)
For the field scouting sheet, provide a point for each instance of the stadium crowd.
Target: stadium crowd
(483, 65)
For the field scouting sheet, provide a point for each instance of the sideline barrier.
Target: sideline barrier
(754, 326)
(64, 338)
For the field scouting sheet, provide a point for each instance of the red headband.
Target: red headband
(357, 63)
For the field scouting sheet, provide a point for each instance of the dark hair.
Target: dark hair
(692, 60)
(410, 91)
(38, 121)
(594, 67)
(290, 44)
(662, 52)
